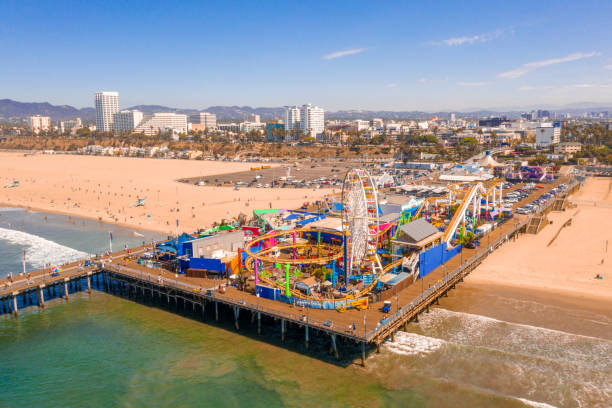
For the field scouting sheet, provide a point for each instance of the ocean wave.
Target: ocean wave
(412, 344)
(39, 250)
(480, 331)
(535, 404)
(11, 209)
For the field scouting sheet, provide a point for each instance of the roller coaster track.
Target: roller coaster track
(261, 256)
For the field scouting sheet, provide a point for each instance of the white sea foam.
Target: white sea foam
(535, 403)
(40, 250)
(480, 331)
(412, 344)
(10, 209)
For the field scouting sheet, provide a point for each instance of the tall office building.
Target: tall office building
(107, 104)
(127, 120)
(313, 120)
(39, 123)
(208, 121)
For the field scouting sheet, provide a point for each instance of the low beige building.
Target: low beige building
(568, 148)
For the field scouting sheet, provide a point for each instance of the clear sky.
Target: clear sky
(396, 55)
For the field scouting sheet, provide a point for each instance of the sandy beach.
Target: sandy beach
(107, 187)
(567, 268)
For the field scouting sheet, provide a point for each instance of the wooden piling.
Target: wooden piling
(236, 314)
(334, 346)
(282, 330)
(41, 296)
(363, 354)
(15, 308)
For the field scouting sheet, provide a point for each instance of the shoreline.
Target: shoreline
(106, 188)
(545, 296)
(84, 216)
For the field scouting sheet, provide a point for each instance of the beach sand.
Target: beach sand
(567, 268)
(106, 188)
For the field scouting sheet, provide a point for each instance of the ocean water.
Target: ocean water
(55, 239)
(100, 350)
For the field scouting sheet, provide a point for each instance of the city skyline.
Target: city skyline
(393, 57)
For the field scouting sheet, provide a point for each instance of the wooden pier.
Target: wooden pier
(116, 274)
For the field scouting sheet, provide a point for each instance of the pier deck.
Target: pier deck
(369, 327)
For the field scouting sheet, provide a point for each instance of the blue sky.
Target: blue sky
(339, 55)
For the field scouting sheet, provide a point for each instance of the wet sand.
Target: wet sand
(106, 188)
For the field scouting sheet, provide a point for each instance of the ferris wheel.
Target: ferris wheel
(360, 221)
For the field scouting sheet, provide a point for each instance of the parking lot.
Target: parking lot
(294, 175)
(525, 198)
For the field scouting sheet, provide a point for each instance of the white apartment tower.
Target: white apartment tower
(39, 123)
(293, 120)
(127, 120)
(107, 104)
(313, 120)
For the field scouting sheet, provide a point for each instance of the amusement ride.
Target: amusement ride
(347, 264)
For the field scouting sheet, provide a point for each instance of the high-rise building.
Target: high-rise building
(127, 120)
(293, 122)
(39, 123)
(313, 120)
(208, 120)
(453, 118)
(107, 104)
(163, 122)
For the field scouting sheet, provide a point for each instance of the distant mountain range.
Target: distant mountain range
(11, 110)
